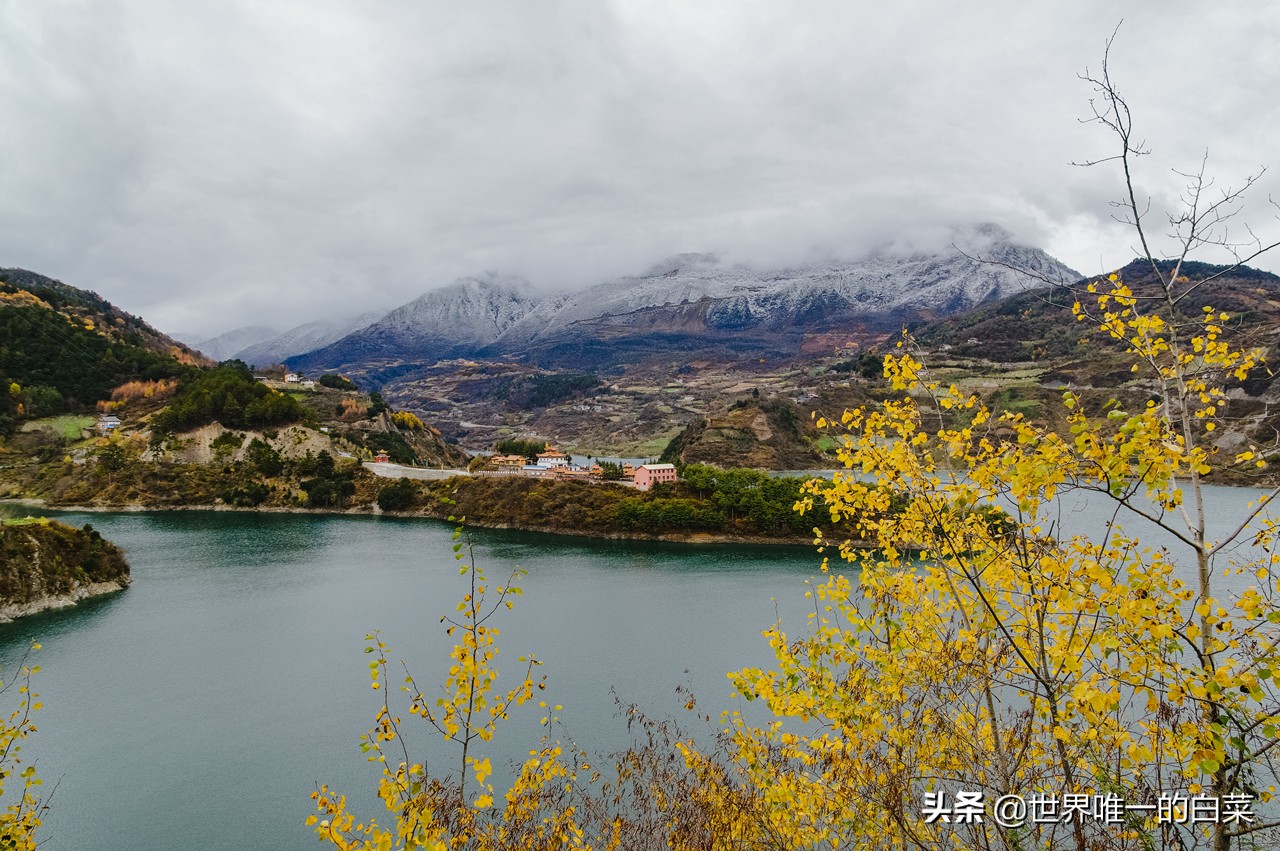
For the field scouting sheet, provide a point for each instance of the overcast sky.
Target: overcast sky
(210, 164)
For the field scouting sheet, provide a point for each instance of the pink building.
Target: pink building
(648, 475)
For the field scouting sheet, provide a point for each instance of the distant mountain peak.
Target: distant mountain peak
(229, 344)
(303, 338)
(699, 294)
(985, 230)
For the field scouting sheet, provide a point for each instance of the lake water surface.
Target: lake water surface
(199, 708)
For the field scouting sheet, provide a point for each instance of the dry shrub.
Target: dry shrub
(131, 390)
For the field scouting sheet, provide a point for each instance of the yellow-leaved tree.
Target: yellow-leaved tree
(991, 680)
(456, 808)
(23, 810)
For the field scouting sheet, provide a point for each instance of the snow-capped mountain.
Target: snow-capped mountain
(701, 295)
(471, 311)
(304, 338)
(982, 268)
(226, 346)
(465, 316)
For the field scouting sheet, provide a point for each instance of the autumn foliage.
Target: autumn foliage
(1013, 658)
(24, 810)
(131, 390)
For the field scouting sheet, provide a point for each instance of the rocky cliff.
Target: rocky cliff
(767, 434)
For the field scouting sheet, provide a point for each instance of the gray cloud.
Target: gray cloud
(213, 164)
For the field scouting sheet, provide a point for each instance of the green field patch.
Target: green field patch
(1027, 373)
(26, 521)
(67, 425)
(650, 448)
(1017, 400)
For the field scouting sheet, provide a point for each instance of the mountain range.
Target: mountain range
(687, 304)
(627, 364)
(259, 345)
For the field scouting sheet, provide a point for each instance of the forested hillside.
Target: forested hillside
(64, 349)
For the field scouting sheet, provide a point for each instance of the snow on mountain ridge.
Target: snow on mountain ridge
(697, 291)
(470, 310)
(880, 283)
(303, 338)
(226, 345)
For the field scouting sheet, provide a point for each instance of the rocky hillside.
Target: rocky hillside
(94, 312)
(1039, 323)
(765, 435)
(46, 565)
(215, 415)
(1024, 350)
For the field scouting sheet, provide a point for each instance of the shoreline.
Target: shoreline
(694, 538)
(10, 612)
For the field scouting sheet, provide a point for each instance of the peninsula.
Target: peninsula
(49, 565)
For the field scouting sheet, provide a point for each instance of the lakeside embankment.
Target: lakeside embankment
(708, 505)
(696, 538)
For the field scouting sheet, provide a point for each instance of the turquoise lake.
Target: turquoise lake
(200, 708)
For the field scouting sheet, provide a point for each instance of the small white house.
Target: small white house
(108, 423)
(292, 378)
